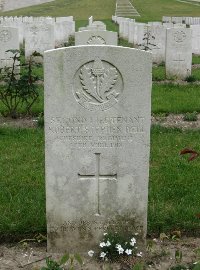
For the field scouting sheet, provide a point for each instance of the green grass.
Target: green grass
(22, 195)
(153, 10)
(196, 59)
(80, 9)
(174, 182)
(150, 10)
(175, 98)
(173, 190)
(158, 73)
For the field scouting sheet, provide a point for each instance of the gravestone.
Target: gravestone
(63, 30)
(157, 42)
(97, 130)
(39, 37)
(90, 20)
(94, 26)
(178, 52)
(96, 38)
(195, 39)
(9, 40)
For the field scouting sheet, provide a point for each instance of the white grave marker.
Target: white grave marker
(97, 126)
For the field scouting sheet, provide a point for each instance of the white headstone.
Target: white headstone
(157, 42)
(97, 130)
(39, 37)
(178, 52)
(96, 38)
(9, 40)
(195, 39)
(90, 20)
(63, 30)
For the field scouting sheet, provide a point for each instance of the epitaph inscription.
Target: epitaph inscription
(97, 85)
(96, 132)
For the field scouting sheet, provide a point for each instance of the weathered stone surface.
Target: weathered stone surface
(39, 37)
(178, 52)
(157, 42)
(96, 37)
(97, 129)
(9, 40)
(195, 38)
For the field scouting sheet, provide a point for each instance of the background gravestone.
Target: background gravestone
(97, 126)
(96, 37)
(9, 40)
(178, 52)
(39, 37)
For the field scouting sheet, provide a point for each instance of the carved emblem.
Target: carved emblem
(5, 35)
(179, 36)
(96, 40)
(97, 85)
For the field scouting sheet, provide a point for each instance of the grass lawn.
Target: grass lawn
(150, 10)
(80, 9)
(153, 10)
(171, 98)
(173, 190)
(22, 194)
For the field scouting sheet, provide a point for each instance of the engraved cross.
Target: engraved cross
(98, 176)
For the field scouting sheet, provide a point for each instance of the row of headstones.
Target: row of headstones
(185, 20)
(38, 34)
(168, 43)
(63, 27)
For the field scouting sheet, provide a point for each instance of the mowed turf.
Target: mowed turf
(80, 9)
(150, 10)
(153, 10)
(173, 189)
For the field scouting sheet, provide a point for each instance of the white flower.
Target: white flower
(102, 255)
(139, 254)
(102, 244)
(105, 233)
(91, 253)
(128, 251)
(108, 243)
(119, 249)
(133, 242)
(136, 233)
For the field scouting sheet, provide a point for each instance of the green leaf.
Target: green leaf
(78, 258)
(64, 259)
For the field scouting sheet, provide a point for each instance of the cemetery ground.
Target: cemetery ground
(174, 205)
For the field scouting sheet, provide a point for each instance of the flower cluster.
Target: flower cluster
(113, 245)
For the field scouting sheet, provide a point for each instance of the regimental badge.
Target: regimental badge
(179, 36)
(98, 85)
(96, 40)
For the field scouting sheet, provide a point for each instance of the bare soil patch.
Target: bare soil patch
(161, 256)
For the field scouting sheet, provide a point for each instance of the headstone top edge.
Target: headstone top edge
(100, 46)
